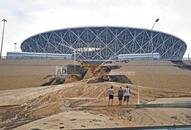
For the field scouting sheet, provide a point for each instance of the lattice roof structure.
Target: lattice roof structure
(101, 43)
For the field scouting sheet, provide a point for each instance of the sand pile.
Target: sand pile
(71, 78)
(83, 96)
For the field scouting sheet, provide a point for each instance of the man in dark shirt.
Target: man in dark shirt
(120, 95)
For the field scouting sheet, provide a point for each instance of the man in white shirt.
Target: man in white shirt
(126, 95)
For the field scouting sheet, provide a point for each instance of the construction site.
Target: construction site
(58, 94)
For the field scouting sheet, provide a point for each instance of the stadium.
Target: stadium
(103, 43)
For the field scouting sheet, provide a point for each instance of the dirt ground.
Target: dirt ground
(84, 105)
(163, 74)
(27, 73)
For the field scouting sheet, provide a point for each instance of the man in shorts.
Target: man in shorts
(126, 95)
(110, 93)
(120, 95)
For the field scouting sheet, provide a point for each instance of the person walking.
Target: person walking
(110, 93)
(126, 95)
(120, 95)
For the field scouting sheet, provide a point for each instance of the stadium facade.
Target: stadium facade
(103, 43)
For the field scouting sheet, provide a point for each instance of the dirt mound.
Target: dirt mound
(72, 78)
(80, 96)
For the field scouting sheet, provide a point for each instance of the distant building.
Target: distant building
(34, 55)
(101, 43)
(140, 56)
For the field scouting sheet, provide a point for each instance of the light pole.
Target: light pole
(138, 91)
(152, 76)
(15, 45)
(152, 35)
(3, 20)
(154, 23)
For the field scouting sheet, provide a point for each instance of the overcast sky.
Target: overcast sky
(29, 17)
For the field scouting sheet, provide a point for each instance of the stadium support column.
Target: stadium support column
(3, 20)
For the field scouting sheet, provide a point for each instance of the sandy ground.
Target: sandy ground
(19, 96)
(163, 74)
(27, 73)
(84, 119)
(32, 73)
(71, 120)
(84, 105)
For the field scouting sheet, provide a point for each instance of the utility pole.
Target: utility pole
(3, 20)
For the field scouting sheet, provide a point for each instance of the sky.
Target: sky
(29, 17)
